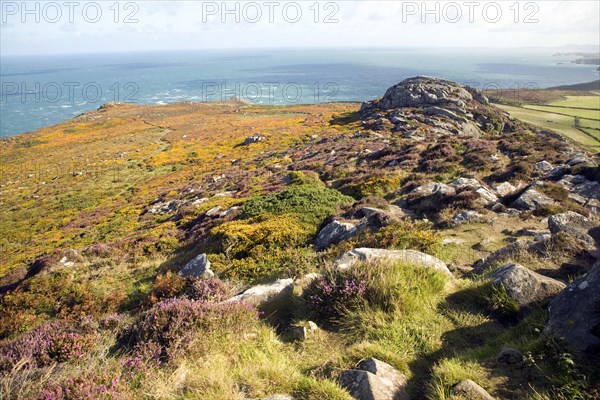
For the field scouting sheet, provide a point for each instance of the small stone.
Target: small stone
(543, 166)
(470, 390)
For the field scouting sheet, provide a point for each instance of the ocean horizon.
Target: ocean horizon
(38, 91)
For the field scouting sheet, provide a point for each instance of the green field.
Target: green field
(574, 112)
(558, 114)
(578, 101)
(559, 123)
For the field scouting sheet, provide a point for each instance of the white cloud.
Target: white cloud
(182, 24)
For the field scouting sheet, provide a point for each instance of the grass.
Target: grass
(574, 112)
(559, 123)
(554, 110)
(578, 101)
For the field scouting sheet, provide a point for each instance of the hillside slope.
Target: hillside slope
(127, 233)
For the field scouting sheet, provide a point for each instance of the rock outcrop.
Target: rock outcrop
(574, 315)
(335, 232)
(524, 286)
(374, 380)
(262, 295)
(424, 91)
(199, 267)
(532, 200)
(352, 257)
(583, 229)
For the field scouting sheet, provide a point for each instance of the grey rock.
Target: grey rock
(335, 232)
(583, 191)
(444, 113)
(394, 213)
(574, 315)
(164, 207)
(278, 397)
(374, 380)
(465, 183)
(532, 200)
(478, 95)
(199, 267)
(574, 224)
(543, 166)
(470, 390)
(355, 256)
(524, 286)
(468, 129)
(252, 139)
(430, 189)
(486, 197)
(581, 160)
(499, 257)
(424, 91)
(466, 216)
(301, 332)
(263, 295)
(214, 212)
(511, 211)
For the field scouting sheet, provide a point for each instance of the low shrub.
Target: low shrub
(166, 286)
(244, 238)
(332, 294)
(209, 290)
(309, 204)
(169, 327)
(305, 178)
(478, 154)
(441, 157)
(393, 288)
(370, 184)
(272, 263)
(415, 235)
(51, 342)
(90, 386)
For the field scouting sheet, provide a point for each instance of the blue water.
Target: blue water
(40, 91)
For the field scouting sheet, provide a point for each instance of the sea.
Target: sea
(37, 91)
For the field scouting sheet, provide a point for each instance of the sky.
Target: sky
(72, 27)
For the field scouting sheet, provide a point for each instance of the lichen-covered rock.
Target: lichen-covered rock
(424, 91)
(574, 224)
(465, 183)
(574, 315)
(532, 200)
(543, 166)
(466, 216)
(500, 256)
(261, 295)
(352, 257)
(433, 188)
(374, 380)
(524, 286)
(334, 232)
(199, 267)
(505, 189)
